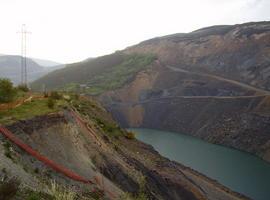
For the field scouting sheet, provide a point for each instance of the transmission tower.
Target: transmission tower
(23, 33)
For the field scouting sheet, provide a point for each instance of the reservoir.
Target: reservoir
(239, 171)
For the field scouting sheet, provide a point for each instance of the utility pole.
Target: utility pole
(23, 33)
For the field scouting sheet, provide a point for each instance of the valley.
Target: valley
(212, 84)
(80, 139)
(214, 161)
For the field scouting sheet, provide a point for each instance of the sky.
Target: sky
(68, 31)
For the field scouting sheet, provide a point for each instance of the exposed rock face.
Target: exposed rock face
(239, 52)
(212, 83)
(127, 164)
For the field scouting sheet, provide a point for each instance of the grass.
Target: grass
(99, 116)
(61, 193)
(28, 110)
(7, 147)
(29, 194)
(109, 128)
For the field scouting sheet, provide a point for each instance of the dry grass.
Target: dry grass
(61, 193)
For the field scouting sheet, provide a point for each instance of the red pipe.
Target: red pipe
(47, 161)
(43, 159)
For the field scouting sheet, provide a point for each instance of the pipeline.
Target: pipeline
(43, 159)
(61, 169)
(84, 125)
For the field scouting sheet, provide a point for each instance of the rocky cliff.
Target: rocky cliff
(212, 83)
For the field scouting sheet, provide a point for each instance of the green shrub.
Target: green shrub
(7, 91)
(61, 193)
(33, 196)
(7, 146)
(8, 154)
(23, 88)
(36, 170)
(51, 103)
(55, 95)
(130, 135)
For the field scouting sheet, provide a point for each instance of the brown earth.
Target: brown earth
(212, 83)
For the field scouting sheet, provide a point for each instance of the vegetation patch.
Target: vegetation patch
(7, 91)
(97, 75)
(92, 110)
(130, 135)
(7, 147)
(8, 189)
(116, 77)
(61, 193)
(28, 110)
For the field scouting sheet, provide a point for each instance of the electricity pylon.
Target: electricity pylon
(23, 33)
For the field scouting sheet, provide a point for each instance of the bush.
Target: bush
(33, 196)
(7, 147)
(8, 154)
(130, 135)
(9, 189)
(23, 88)
(45, 94)
(7, 91)
(36, 170)
(55, 95)
(51, 103)
(61, 193)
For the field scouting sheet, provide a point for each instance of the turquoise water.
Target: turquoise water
(240, 171)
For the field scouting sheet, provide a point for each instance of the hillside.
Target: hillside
(212, 83)
(10, 67)
(78, 145)
(46, 63)
(97, 75)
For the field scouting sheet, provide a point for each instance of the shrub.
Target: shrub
(55, 95)
(130, 135)
(45, 94)
(51, 103)
(61, 193)
(4, 171)
(36, 170)
(7, 91)
(23, 88)
(8, 154)
(33, 196)
(7, 147)
(9, 189)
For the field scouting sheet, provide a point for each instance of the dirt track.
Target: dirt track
(243, 85)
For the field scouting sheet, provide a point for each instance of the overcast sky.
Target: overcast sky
(71, 30)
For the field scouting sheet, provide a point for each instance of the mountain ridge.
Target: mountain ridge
(10, 67)
(228, 66)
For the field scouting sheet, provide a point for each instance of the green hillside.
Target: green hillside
(96, 75)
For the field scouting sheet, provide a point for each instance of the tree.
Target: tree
(51, 103)
(55, 95)
(7, 91)
(23, 88)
